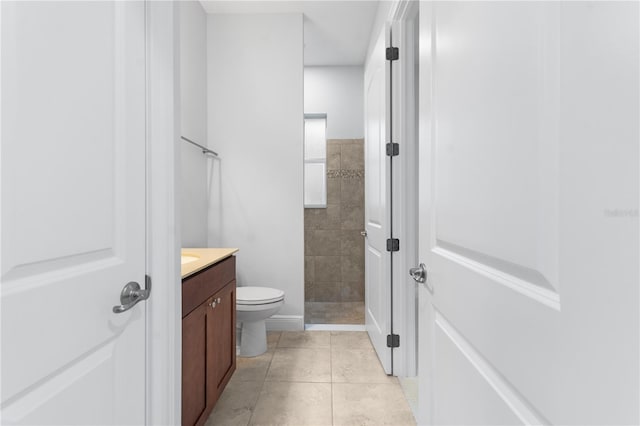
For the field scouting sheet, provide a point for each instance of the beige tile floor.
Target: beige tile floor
(313, 378)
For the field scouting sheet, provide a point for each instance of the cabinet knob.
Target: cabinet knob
(219, 300)
(213, 304)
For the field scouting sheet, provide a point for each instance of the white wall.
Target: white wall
(338, 92)
(255, 118)
(193, 121)
(382, 17)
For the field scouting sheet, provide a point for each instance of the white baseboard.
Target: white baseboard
(285, 323)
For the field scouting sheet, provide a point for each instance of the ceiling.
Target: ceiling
(336, 33)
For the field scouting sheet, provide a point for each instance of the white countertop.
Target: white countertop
(205, 257)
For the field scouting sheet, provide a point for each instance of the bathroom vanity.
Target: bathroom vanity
(208, 329)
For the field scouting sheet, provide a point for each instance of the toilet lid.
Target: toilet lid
(258, 295)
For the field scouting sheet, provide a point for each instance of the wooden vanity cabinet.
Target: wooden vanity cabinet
(194, 344)
(221, 342)
(208, 339)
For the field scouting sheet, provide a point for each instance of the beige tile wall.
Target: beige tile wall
(334, 248)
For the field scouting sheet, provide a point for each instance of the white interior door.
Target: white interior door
(376, 214)
(529, 212)
(73, 212)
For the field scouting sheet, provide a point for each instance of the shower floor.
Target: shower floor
(334, 312)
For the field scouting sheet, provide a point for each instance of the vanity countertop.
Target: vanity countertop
(204, 257)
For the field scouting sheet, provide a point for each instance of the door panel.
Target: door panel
(73, 211)
(221, 341)
(460, 379)
(375, 301)
(194, 360)
(377, 285)
(497, 200)
(528, 212)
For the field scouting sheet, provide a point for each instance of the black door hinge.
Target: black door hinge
(393, 54)
(393, 340)
(393, 149)
(393, 244)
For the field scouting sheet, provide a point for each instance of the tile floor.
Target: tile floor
(313, 378)
(334, 312)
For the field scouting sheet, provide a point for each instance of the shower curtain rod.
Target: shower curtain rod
(204, 149)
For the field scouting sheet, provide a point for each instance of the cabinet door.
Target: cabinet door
(194, 357)
(221, 341)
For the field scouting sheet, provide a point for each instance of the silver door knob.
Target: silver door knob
(132, 294)
(419, 274)
(363, 233)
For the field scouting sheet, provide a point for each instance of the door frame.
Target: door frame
(405, 188)
(164, 307)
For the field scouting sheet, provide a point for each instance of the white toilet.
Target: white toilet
(253, 306)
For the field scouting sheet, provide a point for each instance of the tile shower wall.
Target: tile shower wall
(334, 248)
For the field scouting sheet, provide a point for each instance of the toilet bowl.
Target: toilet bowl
(253, 306)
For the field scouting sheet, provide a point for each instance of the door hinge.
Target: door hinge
(393, 244)
(392, 53)
(393, 149)
(393, 340)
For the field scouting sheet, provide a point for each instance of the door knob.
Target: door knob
(363, 233)
(132, 294)
(419, 274)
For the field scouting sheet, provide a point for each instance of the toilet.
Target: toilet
(253, 306)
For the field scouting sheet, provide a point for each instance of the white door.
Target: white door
(376, 213)
(73, 212)
(529, 212)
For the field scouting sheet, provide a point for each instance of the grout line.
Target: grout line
(297, 381)
(253, 411)
(335, 327)
(264, 379)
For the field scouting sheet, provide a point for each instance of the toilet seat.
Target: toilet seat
(258, 295)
